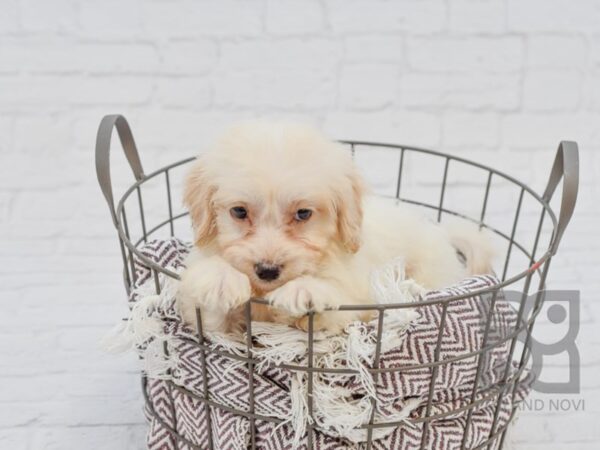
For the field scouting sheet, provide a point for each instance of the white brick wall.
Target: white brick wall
(499, 81)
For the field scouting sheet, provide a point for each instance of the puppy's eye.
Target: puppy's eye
(302, 215)
(239, 212)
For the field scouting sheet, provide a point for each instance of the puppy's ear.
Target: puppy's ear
(197, 197)
(350, 212)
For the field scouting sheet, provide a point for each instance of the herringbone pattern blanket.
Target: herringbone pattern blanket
(175, 397)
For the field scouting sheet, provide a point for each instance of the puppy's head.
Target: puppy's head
(276, 201)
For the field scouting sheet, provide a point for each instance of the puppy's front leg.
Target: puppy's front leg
(301, 295)
(216, 287)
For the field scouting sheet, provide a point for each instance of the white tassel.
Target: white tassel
(299, 416)
(360, 351)
(390, 285)
(335, 407)
(141, 326)
(144, 329)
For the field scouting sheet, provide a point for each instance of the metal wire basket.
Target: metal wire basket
(526, 224)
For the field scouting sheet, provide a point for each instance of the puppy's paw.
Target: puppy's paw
(217, 287)
(332, 322)
(304, 294)
(328, 322)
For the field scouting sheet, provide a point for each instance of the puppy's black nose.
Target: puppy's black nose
(266, 272)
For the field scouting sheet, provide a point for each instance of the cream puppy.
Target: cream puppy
(280, 212)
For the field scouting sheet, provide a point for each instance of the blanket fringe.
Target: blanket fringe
(144, 329)
(334, 406)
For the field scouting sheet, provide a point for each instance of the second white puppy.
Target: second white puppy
(280, 212)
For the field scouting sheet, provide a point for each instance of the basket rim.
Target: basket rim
(535, 263)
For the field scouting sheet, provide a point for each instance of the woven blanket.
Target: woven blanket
(342, 402)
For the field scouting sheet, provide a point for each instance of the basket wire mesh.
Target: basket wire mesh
(531, 270)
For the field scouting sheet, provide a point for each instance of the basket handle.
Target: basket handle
(103, 138)
(566, 168)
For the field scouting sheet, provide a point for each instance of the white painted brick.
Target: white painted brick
(101, 438)
(21, 93)
(471, 130)
(28, 93)
(289, 17)
(6, 133)
(29, 390)
(188, 57)
(477, 16)
(41, 170)
(531, 16)
(551, 51)
(592, 94)
(51, 132)
(293, 53)
(551, 90)
(186, 92)
(42, 55)
(101, 385)
(16, 281)
(594, 49)
(177, 128)
(9, 19)
(70, 339)
(57, 16)
(531, 424)
(49, 205)
(579, 445)
(5, 200)
(495, 81)
(368, 86)
(66, 295)
(15, 438)
(215, 18)
(29, 247)
(93, 315)
(17, 414)
(110, 18)
(116, 58)
(545, 131)
(111, 91)
(8, 70)
(574, 428)
(281, 89)
(363, 16)
(79, 267)
(409, 128)
(362, 49)
(462, 91)
(138, 437)
(465, 54)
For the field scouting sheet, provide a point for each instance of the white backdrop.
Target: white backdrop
(498, 81)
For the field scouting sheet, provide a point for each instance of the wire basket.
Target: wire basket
(521, 220)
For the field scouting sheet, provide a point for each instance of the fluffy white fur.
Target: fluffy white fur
(273, 170)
